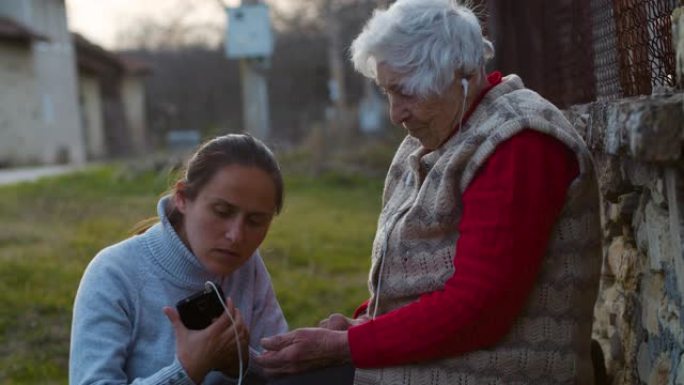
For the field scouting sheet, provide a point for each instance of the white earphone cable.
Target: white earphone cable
(374, 313)
(211, 286)
(464, 86)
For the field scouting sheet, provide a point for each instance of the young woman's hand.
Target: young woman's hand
(200, 351)
(338, 321)
(231, 365)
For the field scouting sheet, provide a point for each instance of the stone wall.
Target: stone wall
(638, 149)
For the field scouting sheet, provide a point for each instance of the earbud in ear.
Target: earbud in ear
(464, 85)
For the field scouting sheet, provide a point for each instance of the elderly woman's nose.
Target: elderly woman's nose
(398, 112)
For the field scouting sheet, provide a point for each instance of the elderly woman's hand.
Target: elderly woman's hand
(302, 350)
(338, 321)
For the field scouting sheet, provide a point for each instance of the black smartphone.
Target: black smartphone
(200, 309)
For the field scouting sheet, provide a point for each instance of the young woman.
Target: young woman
(126, 328)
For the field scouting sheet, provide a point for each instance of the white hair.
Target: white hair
(426, 41)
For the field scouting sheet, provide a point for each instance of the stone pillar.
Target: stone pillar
(678, 41)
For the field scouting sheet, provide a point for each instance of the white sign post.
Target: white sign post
(249, 32)
(249, 38)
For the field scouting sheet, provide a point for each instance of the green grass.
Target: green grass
(317, 253)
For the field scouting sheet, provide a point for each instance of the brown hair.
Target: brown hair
(226, 150)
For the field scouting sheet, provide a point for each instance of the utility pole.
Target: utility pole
(340, 122)
(249, 39)
(372, 108)
(335, 56)
(255, 108)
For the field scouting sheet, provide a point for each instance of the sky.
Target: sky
(102, 21)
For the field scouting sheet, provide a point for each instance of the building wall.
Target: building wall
(20, 120)
(90, 101)
(133, 96)
(62, 138)
(638, 146)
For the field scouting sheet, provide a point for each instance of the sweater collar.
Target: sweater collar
(495, 80)
(171, 255)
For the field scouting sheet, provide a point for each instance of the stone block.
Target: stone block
(644, 363)
(679, 374)
(652, 233)
(614, 136)
(657, 190)
(669, 318)
(640, 174)
(648, 128)
(660, 374)
(674, 184)
(579, 117)
(624, 209)
(598, 120)
(617, 353)
(612, 181)
(604, 309)
(622, 262)
(590, 121)
(652, 295)
(653, 370)
(655, 128)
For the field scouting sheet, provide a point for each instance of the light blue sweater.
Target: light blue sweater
(119, 333)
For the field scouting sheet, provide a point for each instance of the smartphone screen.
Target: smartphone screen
(200, 309)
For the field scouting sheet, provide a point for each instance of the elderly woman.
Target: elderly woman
(486, 259)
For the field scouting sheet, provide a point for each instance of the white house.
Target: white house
(112, 101)
(40, 114)
(20, 111)
(64, 99)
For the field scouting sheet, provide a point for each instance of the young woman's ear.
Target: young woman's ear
(179, 199)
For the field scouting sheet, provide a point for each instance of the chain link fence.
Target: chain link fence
(578, 51)
(633, 44)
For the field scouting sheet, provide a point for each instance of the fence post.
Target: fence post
(678, 41)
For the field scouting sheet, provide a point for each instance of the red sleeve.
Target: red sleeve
(361, 309)
(508, 212)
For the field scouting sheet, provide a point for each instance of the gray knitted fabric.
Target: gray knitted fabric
(415, 241)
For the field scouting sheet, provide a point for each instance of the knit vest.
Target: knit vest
(414, 247)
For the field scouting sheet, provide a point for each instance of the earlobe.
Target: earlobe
(179, 198)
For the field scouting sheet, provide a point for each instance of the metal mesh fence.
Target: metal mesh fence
(634, 37)
(584, 50)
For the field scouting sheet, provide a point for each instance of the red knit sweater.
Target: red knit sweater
(509, 210)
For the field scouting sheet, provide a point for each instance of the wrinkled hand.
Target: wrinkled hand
(302, 350)
(338, 321)
(213, 348)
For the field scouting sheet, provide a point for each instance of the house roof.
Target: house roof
(95, 59)
(13, 30)
(99, 61)
(135, 66)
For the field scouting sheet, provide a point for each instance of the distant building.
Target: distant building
(112, 100)
(40, 119)
(20, 112)
(62, 98)
(92, 68)
(134, 99)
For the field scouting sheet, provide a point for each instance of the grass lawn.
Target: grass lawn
(317, 253)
